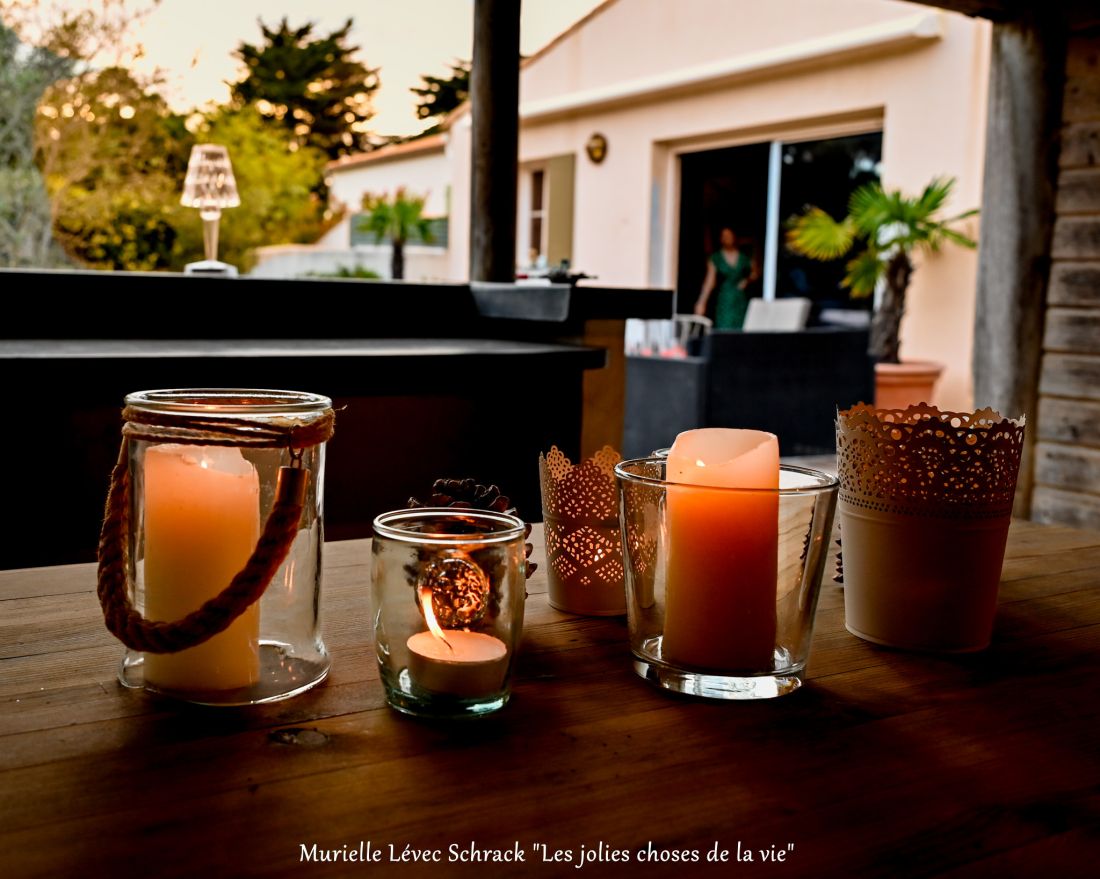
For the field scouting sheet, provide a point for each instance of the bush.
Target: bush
(361, 272)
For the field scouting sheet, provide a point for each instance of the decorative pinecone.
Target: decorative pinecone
(464, 494)
(468, 494)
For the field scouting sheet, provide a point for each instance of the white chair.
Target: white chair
(777, 315)
(691, 326)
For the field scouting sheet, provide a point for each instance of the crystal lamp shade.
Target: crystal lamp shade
(210, 185)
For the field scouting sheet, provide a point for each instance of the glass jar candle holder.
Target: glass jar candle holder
(722, 583)
(205, 479)
(447, 589)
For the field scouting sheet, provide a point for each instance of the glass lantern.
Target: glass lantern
(205, 468)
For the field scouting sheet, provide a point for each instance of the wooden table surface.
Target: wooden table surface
(885, 764)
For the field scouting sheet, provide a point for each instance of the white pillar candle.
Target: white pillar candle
(202, 521)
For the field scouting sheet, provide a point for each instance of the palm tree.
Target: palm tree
(888, 227)
(398, 218)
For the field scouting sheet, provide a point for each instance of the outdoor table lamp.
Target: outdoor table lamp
(210, 186)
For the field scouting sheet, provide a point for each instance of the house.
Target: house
(647, 125)
(422, 167)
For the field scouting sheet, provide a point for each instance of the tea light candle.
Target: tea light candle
(202, 520)
(466, 664)
(723, 549)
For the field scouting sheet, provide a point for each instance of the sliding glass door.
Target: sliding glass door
(755, 189)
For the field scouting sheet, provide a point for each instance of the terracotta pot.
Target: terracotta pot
(898, 385)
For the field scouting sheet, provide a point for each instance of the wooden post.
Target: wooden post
(494, 104)
(1021, 170)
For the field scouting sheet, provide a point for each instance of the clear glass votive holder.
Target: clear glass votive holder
(722, 583)
(447, 592)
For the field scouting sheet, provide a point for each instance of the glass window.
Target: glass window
(823, 173)
(728, 188)
(537, 217)
(724, 188)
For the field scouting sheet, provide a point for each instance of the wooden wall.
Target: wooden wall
(1067, 454)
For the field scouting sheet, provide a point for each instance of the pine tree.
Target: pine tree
(439, 96)
(311, 85)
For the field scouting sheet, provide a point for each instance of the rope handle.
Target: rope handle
(218, 613)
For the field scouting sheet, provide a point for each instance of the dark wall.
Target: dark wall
(664, 396)
(790, 384)
(430, 381)
(401, 424)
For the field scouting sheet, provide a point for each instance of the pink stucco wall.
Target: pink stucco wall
(927, 94)
(661, 78)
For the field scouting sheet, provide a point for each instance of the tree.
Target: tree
(399, 218)
(77, 162)
(107, 160)
(25, 219)
(113, 156)
(438, 96)
(889, 227)
(311, 86)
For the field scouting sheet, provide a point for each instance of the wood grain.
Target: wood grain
(1075, 283)
(1078, 508)
(1082, 103)
(1023, 120)
(1065, 466)
(1076, 238)
(1078, 191)
(886, 764)
(1072, 330)
(1070, 421)
(1080, 145)
(1071, 375)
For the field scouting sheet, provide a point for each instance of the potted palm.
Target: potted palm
(884, 229)
(398, 217)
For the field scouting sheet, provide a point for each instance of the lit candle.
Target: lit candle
(723, 549)
(202, 520)
(453, 661)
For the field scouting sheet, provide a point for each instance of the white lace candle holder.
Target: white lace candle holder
(925, 504)
(584, 554)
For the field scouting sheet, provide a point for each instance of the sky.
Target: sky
(192, 41)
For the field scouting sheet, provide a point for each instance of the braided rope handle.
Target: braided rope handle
(217, 614)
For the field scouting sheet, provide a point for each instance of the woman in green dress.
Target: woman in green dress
(730, 269)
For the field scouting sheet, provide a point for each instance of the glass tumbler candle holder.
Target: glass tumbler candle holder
(210, 555)
(722, 583)
(448, 589)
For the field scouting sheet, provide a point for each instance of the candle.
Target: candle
(723, 549)
(454, 662)
(202, 520)
(466, 664)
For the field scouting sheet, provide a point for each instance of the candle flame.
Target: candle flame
(429, 616)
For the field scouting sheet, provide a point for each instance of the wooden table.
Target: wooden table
(886, 764)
